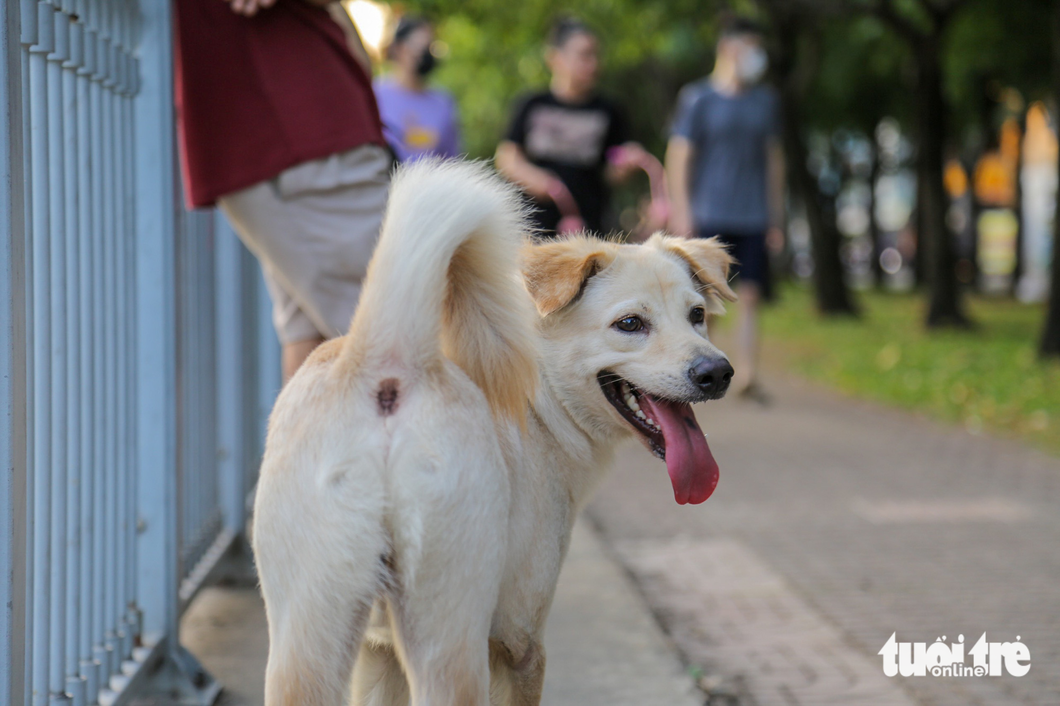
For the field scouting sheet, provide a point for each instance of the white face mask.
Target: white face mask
(752, 65)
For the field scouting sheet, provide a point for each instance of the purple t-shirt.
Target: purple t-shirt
(417, 123)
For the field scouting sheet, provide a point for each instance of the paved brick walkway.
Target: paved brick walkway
(867, 521)
(731, 612)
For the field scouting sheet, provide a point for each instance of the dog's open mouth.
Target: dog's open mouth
(671, 432)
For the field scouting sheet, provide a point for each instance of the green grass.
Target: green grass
(988, 379)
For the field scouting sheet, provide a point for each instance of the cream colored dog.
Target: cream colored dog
(431, 463)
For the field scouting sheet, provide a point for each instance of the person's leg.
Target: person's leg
(295, 353)
(337, 206)
(314, 243)
(297, 333)
(746, 367)
(750, 271)
(751, 289)
(313, 228)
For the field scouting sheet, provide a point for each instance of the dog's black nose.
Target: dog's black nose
(711, 375)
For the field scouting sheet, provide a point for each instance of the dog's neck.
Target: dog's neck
(581, 456)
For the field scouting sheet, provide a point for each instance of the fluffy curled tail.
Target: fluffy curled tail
(445, 281)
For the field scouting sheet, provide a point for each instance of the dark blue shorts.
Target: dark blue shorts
(749, 250)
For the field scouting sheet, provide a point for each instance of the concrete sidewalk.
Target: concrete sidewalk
(603, 646)
(835, 524)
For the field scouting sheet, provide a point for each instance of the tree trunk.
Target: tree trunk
(920, 257)
(1020, 265)
(945, 305)
(874, 227)
(830, 286)
(1050, 343)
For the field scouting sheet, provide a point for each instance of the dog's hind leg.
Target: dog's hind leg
(441, 627)
(311, 656)
(447, 662)
(320, 574)
(378, 679)
(448, 579)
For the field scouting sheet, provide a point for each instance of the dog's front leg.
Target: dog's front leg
(527, 676)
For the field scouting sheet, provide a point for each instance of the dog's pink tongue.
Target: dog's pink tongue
(693, 470)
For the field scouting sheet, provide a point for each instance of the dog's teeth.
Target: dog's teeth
(632, 402)
(641, 415)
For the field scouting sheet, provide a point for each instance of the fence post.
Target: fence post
(12, 366)
(270, 375)
(232, 309)
(156, 214)
(155, 324)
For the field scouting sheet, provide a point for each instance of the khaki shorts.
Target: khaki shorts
(313, 228)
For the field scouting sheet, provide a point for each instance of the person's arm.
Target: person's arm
(353, 37)
(513, 164)
(249, 8)
(680, 156)
(679, 153)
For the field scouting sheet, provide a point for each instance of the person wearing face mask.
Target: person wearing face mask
(418, 121)
(725, 170)
(559, 145)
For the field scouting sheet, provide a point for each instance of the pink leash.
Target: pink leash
(658, 212)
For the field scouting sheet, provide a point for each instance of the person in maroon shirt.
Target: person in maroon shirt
(278, 127)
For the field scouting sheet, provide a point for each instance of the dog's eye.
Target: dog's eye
(697, 316)
(629, 324)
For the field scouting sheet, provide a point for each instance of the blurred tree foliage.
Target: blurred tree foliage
(859, 76)
(994, 45)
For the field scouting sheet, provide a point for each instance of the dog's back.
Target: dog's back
(382, 464)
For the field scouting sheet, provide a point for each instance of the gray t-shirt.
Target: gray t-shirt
(729, 136)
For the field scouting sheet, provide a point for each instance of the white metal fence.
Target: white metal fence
(136, 360)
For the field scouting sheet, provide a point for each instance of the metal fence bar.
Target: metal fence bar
(269, 373)
(72, 684)
(13, 364)
(86, 675)
(98, 667)
(41, 347)
(110, 347)
(156, 332)
(128, 93)
(27, 28)
(232, 309)
(57, 402)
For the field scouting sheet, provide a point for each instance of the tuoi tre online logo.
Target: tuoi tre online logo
(939, 659)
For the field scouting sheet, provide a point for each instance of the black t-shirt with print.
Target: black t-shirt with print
(571, 141)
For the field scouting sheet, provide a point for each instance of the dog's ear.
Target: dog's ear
(710, 263)
(555, 272)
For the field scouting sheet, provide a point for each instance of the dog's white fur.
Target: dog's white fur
(431, 463)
